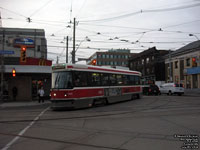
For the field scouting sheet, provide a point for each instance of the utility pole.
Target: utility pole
(67, 49)
(170, 66)
(73, 51)
(57, 61)
(2, 65)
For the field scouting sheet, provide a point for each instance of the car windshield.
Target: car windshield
(62, 80)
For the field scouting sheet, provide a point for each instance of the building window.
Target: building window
(38, 48)
(152, 70)
(148, 71)
(103, 56)
(142, 61)
(176, 64)
(188, 62)
(147, 60)
(107, 56)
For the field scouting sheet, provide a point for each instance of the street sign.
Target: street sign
(6, 52)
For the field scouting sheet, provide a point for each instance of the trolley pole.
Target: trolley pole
(2, 66)
(73, 51)
(67, 45)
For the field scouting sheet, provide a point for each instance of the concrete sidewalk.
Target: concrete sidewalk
(22, 103)
(192, 92)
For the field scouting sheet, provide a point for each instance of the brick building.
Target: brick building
(150, 63)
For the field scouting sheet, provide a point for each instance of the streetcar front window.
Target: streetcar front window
(62, 80)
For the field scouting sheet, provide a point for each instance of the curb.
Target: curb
(22, 104)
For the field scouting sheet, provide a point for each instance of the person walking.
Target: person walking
(41, 95)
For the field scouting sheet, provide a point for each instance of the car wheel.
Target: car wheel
(170, 93)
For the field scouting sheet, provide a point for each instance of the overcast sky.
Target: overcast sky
(109, 24)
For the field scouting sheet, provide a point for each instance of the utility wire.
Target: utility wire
(143, 11)
(40, 8)
(18, 14)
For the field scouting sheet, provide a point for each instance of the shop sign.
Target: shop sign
(18, 42)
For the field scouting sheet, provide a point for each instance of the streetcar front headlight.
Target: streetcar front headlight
(54, 94)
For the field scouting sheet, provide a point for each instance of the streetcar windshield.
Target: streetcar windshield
(62, 80)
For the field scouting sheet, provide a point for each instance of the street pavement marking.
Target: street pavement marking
(24, 130)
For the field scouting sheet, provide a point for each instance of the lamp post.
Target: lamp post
(194, 36)
(78, 45)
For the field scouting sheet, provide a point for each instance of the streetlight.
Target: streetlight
(78, 45)
(194, 36)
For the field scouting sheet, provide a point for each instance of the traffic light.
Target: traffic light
(13, 72)
(23, 54)
(94, 62)
(194, 63)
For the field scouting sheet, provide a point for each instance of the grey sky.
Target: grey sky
(132, 24)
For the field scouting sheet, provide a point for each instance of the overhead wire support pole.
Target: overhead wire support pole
(67, 45)
(2, 66)
(73, 51)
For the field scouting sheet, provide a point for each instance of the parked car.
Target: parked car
(151, 89)
(172, 88)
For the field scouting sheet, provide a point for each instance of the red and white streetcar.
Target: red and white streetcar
(79, 86)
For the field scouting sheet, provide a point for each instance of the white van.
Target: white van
(172, 88)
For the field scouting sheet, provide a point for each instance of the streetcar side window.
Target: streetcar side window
(120, 80)
(125, 79)
(131, 80)
(113, 79)
(94, 79)
(105, 79)
(137, 80)
(80, 79)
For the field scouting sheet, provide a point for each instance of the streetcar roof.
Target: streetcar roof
(80, 67)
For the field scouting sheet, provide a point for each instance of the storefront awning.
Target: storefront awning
(28, 69)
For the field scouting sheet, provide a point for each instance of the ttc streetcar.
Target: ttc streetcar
(80, 86)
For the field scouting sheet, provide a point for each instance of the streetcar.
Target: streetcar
(79, 86)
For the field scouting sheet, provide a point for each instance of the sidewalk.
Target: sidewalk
(22, 103)
(192, 92)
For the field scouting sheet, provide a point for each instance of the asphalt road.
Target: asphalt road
(151, 123)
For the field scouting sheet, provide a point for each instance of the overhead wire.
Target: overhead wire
(142, 11)
(40, 8)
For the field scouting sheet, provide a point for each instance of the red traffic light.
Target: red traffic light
(23, 48)
(193, 59)
(94, 62)
(13, 72)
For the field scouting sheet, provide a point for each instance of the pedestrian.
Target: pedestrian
(14, 91)
(41, 95)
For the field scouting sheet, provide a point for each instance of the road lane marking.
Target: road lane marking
(24, 130)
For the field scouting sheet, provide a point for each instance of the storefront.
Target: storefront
(192, 77)
(27, 81)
